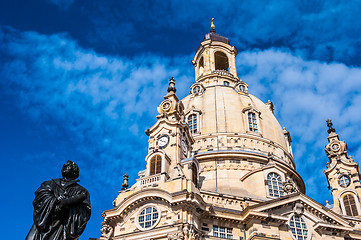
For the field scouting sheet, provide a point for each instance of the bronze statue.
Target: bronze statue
(61, 207)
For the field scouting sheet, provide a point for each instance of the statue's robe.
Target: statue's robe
(50, 223)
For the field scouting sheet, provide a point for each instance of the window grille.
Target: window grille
(252, 122)
(192, 122)
(196, 89)
(148, 217)
(155, 165)
(275, 187)
(222, 232)
(298, 228)
(344, 181)
(350, 205)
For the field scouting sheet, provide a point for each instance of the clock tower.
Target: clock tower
(170, 140)
(343, 176)
(167, 192)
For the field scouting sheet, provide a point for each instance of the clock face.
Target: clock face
(184, 146)
(163, 141)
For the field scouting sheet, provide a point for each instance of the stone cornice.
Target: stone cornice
(181, 198)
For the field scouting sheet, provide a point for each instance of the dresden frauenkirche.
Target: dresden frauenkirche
(220, 166)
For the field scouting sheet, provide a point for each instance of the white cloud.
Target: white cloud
(92, 95)
(306, 94)
(106, 102)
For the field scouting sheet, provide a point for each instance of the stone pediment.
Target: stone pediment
(279, 210)
(140, 197)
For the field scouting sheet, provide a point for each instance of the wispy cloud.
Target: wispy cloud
(106, 102)
(306, 93)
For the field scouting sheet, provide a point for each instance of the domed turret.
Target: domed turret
(215, 56)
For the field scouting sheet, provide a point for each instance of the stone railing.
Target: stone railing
(223, 73)
(149, 180)
(239, 142)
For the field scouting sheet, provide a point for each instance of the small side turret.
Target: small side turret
(343, 176)
(170, 139)
(171, 108)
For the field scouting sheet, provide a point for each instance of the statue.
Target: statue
(61, 207)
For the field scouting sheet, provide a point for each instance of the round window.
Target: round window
(242, 88)
(344, 181)
(298, 228)
(148, 217)
(335, 147)
(196, 89)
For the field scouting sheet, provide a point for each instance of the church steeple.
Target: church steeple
(343, 175)
(170, 140)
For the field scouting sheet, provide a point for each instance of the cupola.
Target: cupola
(215, 56)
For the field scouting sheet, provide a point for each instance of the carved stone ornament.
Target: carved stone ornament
(179, 235)
(106, 231)
(190, 233)
(165, 107)
(336, 147)
(298, 209)
(289, 186)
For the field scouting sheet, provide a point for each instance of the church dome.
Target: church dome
(238, 141)
(224, 110)
(227, 119)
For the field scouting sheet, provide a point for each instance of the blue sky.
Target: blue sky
(81, 80)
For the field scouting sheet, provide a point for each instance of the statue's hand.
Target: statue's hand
(74, 200)
(60, 206)
(60, 198)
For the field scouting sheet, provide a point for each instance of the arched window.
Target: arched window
(275, 187)
(221, 61)
(350, 205)
(225, 83)
(192, 122)
(155, 165)
(194, 175)
(298, 228)
(242, 88)
(252, 122)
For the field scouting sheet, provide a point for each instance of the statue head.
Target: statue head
(70, 170)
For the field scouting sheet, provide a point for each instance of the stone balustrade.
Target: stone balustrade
(245, 142)
(149, 180)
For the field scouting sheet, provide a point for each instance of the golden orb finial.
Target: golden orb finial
(213, 28)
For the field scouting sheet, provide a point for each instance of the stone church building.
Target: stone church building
(220, 166)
